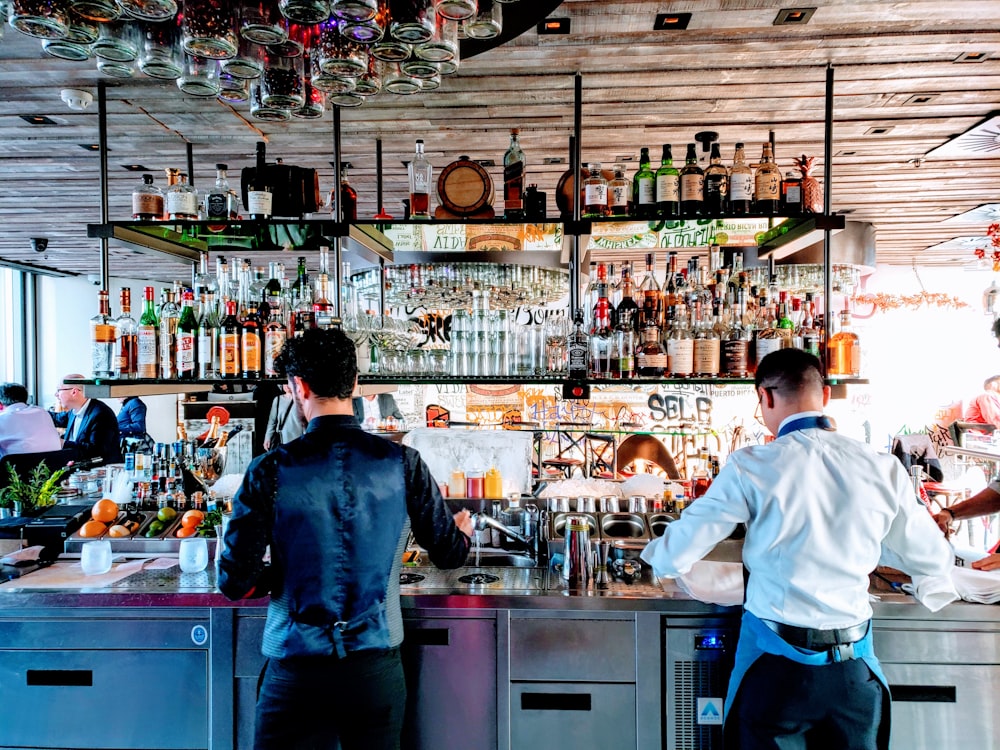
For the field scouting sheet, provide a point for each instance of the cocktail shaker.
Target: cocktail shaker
(578, 563)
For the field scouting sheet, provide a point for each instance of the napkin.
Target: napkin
(26, 555)
(714, 582)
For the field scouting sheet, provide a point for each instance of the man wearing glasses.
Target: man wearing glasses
(820, 511)
(91, 425)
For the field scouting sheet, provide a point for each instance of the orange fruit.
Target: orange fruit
(105, 510)
(185, 531)
(92, 528)
(192, 519)
(117, 531)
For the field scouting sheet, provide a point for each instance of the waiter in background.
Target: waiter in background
(819, 510)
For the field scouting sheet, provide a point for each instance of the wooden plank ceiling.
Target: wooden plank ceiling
(901, 91)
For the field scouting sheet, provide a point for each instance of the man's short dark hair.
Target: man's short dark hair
(789, 370)
(13, 393)
(325, 359)
(996, 328)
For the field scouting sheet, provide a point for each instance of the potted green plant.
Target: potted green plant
(26, 497)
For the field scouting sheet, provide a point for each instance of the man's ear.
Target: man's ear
(827, 390)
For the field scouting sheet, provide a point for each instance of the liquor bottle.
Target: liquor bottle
(102, 339)
(680, 347)
(147, 338)
(322, 307)
(169, 314)
(250, 346)
(301, 284)
(513, 179)
(222, 280)
(668, 185)
(786, 327)
(767, 337)
(716, 185)
(147, 200)
(208, 338)
(618, 193)
(707, 345)
(614, 291)
(644, 189)
(260, 197)
(595, 191)
(652, 310)
(600, 284)
(692, 181)
(623, 352)
(229, 343)
(220, 201)
(182, 200)
(275, 335)
(173, 175)
(578, 349)
(347, 195)
(844, 349)
(669, 296)
(809, 332)
(627, 313)
(420, 173)
(736, 346)
(741, 184)
(303, 316)
(601, 333)
(791, 194)
(767, 184)
(126, 339)
(651, 357)
(186, 338)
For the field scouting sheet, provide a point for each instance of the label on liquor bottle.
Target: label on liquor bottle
(647, 191)
(680, 354)
(217, 206)
(766, 346)
(596, 195)
(229, 354)
(274, 340)
(741, 187)
(716, 184)
(182, 204)
(206, 352)
(513, 184)
(147, 204)
(692, 187)
(578, 357)
(706, 356)
(618, 195)
(735, 357)
(259, 202)
(185, 352)
(166, 353)
(102, 357)
(667, 188)
(146, 352)
(652, 361)
(251, 352)
(767, 186)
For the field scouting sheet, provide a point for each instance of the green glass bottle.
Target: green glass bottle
(644, 189)
(668, 185)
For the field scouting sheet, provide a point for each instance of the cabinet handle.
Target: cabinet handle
(923, 693)
(429, 636)
(60, 677)
(555, 701)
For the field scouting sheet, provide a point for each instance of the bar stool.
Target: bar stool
(571, 452)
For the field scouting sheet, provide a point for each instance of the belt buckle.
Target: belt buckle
(843, 652)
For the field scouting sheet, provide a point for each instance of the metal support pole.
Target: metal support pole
(190, 162)
(827, 234)
(338, 216)
(378, 175)
(102, 140)
(575, 158)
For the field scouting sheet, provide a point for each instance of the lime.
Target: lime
(166, 514)
(721, 238)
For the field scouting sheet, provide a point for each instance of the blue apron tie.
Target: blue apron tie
(806, 423)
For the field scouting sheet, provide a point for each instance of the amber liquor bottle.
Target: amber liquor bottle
(126, 339)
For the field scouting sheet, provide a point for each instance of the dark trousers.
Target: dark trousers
(784, 705)
(309, 703)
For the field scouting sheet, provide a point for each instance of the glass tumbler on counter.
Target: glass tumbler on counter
(208, 28)
(557, 328)
(530, 350)
(95, 557)
(193, 555)
(43, 19)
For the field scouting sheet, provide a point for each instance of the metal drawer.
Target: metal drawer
(572, 650)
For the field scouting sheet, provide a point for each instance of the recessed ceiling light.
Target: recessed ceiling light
(879, 130)
(135, 168)
(629, 157)
(486, 162)
(90, 146)
(553, 160)
(971, 57)
(38, 120)
(554, 26)
(671, 21)
(847, 153)
(793, 16)
(921, 99)
(344, 165)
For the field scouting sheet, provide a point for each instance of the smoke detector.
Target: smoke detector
(76, 99)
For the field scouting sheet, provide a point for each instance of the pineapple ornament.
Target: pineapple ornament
(812, 190)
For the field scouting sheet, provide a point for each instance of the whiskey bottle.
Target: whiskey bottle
(173, 176)
(420, 173)
(186, 338)
(275, 334)
(767, 184)
(229, 343)
(208, 338)
(680, 347)
(147, 337)
(652, 310)
(147, 200)
(513, 179)
(707, 345)
(692, 182)
(668, 186)
(126, 335)
(741, 184)
(169, 314)
(651, 357)
(595, 191)
(347, 196)
(844, 349)
(220, 201)
(102, 339)
(578, 349)
(250, 346)
(627, 313)
(260, 198)
(618, 193)
(767, 337)
(716, 185)
(791, 194)
(182, 200)
(736, 346)
(644, 189)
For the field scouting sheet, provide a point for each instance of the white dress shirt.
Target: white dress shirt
(27, 429)
(820, 508)
(77, 421)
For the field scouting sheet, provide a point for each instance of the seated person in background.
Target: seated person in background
(375, 408)
(985, 408)
(91, 425)
(24, 428)
(284, 423)
(132, 417)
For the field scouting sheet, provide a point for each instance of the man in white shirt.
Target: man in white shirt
(24, 428)
(819, 509)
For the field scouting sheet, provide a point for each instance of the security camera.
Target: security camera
(39, 244)
(76, 99)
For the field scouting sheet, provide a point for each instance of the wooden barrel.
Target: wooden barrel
(564, 190)
(464, 187)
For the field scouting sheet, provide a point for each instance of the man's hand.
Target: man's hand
(944, 520)
(988, 563)
(463, 519)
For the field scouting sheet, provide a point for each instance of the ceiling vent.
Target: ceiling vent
(972, 57)
(959, 245)
(980, 142)
(988, 213)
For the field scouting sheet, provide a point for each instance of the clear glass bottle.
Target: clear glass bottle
(668, 186)
(767, 184)
(421, 174)
(147, 200)
(259, 193)
(275, 335)
(182, 200)
(741, 184)
(204, 282)
(208, 338)
(220, 201)
(623, 352)
(692, 182)
(186, 338)
(618, 193)
(680, 347)
(578, 348)
(595, 191)
(126, 339)
(651, 357)
(147, 338)
(716, 185)
(649, 290)
(644, 189)
(601, 334)
(513, 179)
(707, 345)
(767, 337)
(169, 315)
(844, 349)
(736, 346)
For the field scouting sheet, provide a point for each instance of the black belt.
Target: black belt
(821, 640)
